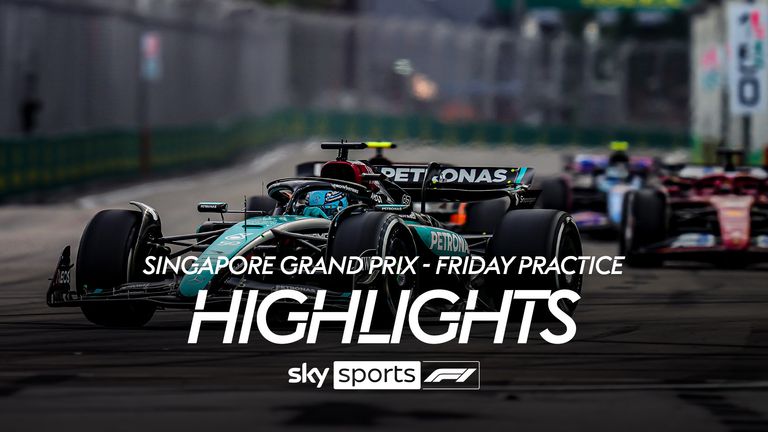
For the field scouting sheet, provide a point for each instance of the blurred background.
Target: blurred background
(112, 89)
(172, 102)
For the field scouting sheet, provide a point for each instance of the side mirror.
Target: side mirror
(212, 207)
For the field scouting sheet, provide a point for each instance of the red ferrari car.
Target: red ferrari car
(702, 213)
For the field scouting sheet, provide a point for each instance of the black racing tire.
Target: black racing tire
(375, 234)
(643, 223)
(106, 250)
(261, 203)
(537, 232)
(484, 216)
(554, 195)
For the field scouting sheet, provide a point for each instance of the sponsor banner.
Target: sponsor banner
(151, 56)
(747, 56)
(410, 176)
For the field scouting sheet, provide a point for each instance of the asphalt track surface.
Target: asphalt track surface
(679, 348)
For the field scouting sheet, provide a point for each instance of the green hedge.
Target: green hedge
(42, 163)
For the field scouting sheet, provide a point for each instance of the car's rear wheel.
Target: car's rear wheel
(554, 194)
(537, 232)
(643, 223)
(375, 234)
(484, 216)
(108, 249)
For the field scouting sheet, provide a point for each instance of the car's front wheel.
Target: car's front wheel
(554, 194)
(105, 259)
(375, 234)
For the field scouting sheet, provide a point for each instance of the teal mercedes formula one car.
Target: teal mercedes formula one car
(351, 209)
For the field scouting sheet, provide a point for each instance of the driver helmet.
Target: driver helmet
(325, 203)
(619, 154)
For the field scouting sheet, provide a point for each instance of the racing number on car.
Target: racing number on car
(63, 277)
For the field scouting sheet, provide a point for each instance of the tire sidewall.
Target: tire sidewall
(107, 257)
(644, 223)
(371, 234)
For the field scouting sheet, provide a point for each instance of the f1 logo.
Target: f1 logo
(450, 375)
(458, 375)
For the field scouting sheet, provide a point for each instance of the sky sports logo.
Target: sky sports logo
(391, 375)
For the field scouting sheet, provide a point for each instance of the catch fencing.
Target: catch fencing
(91, 89)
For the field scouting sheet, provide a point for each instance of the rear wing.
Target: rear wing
(313, 169)
(451, 183)
(435, 182)
(449, 177)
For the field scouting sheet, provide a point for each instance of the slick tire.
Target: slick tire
(554, 194)
(484, 216)
(106, 250)
(643, 223)
(537, 232)
(375, 234)
(261, 203)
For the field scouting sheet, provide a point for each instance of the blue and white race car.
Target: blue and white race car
(592, 187)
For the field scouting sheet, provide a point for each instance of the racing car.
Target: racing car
(350, 210)
(468, 217)
(592, 187)
(701, 213)
(314, 169)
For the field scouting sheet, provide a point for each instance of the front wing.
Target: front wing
(166, 293)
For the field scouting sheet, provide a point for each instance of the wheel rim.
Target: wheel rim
(630, 224)
(570, 245)
(397, 246)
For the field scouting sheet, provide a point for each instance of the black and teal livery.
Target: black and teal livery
(372, 215)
